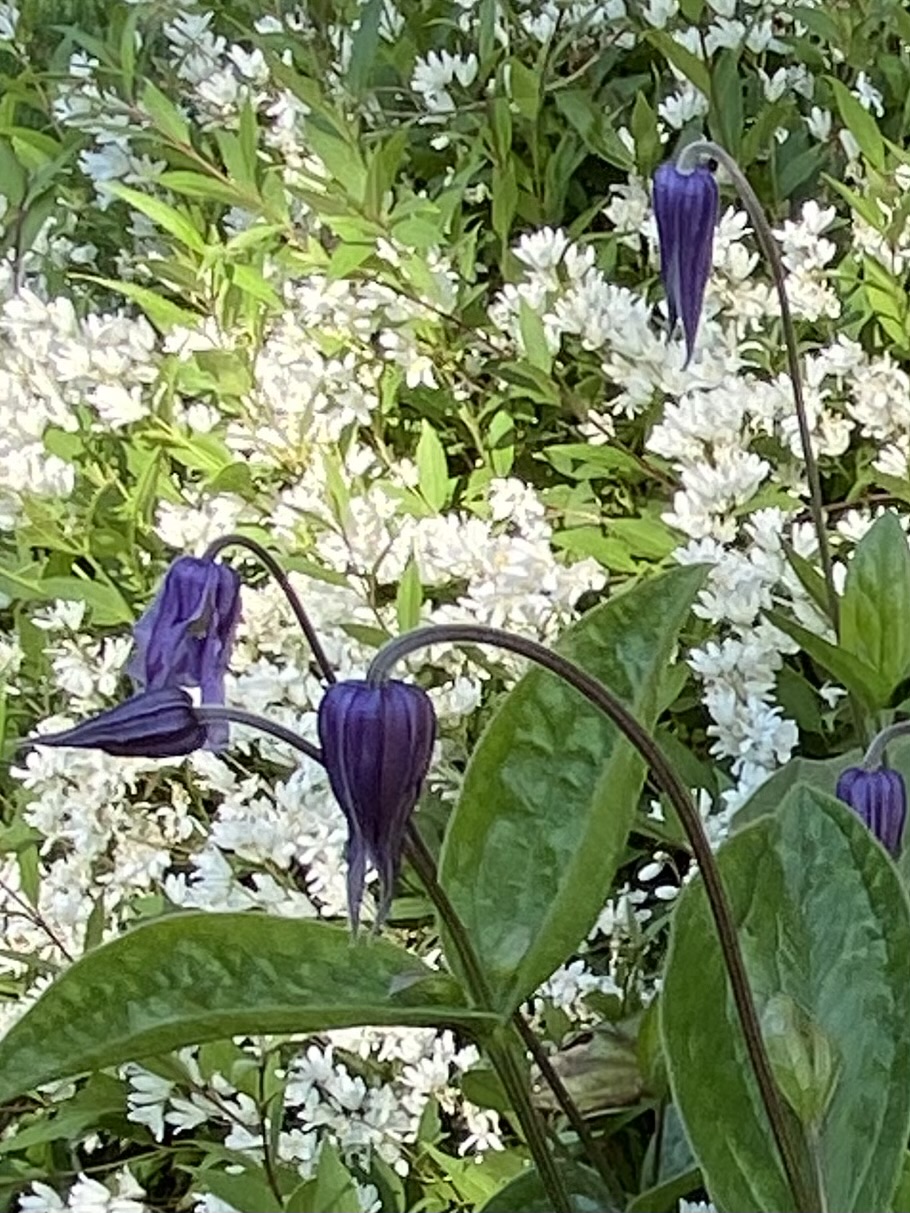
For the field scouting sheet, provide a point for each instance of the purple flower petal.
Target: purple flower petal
(152, 724)
(685, 207)
(184, 639)
(879, 798)
(377, 742)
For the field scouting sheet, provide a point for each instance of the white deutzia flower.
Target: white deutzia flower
(659, 12)
(681, 107)
(868, 95)
(819, 122)
(724, 33)
(433, 75)
(9, 19)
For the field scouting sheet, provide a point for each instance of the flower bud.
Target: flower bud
(184, 638)
(153, 724)
(685, 207)
(880, 799)
(377, 741)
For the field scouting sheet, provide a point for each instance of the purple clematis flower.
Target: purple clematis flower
(153, 724)
(879, 797)
(184, 638)
(377, 741)
(685, 207)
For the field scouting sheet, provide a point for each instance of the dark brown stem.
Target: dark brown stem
(265, 557)
(665, 775)
(704, 149)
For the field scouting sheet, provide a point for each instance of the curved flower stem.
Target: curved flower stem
(502, 1052)
(875, 754)
(211, 712)
(425, 867)
(664, 774)
(704, 149)
(265, 557)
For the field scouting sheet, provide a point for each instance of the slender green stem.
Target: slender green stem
(689, 156)
(265, 557)
(424, 865)
(502, 1053)
(666, 777)
(514, 1078)
(567, 1103)
(876, 751)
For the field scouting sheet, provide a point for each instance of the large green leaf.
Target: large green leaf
(193, 977)
(825, 929)
(873, 687)
(551, 791)
(526, 1193)
(875, 608)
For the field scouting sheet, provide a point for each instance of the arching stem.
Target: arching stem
(208, 713)
(664, 774)
(501, 1051)
(688, 158)
(265, 558)
(876, 752)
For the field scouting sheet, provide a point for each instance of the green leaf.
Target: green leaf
(648, 151)
(164, 314)
(164, 114)
(364, 44)
(860, 123)
(189, 978)
(875, 608)
(727, 101)
(526, 1194)
(825, 930)
(683, 60)
(409, 597)
(201, 185)
(432, 469)
(849, 671)
(167, 217)
(534, 338)
(551, 792)
(810, 578)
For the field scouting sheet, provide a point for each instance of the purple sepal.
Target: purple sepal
(685, 207)
(377, 741)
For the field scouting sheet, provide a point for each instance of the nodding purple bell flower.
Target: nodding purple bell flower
(377, 741)
(184, 639)
(879, 797)
(152, 724)
(685, 207)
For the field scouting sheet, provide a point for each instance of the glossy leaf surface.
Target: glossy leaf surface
(526, 1194)
(825, 929)
(875, 609)
(194, 977)
(552, 788)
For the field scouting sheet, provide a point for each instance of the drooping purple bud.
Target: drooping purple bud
(153, 724)
(377, 741)
(184, 638)
(685, 207)
(880, 799)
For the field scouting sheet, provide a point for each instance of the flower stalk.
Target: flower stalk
(801, 1185)
(268, 561)
(689, 158)
(502, 1053)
